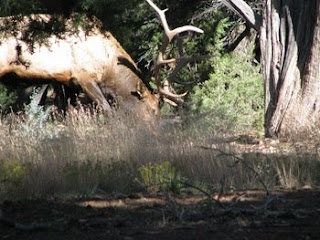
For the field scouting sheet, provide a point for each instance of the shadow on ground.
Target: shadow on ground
(248, 215)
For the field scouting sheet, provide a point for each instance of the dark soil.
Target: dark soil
(249, 215)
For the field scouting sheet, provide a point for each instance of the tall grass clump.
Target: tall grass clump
(84, 153)
(89, 153)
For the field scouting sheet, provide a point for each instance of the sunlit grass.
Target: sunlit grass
(88, 153)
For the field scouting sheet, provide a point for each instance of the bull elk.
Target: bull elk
(93, 60)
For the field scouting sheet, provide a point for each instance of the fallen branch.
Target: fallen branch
(241, 8)
(239, 159)
(186, 184)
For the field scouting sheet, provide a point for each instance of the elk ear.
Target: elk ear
(137, 94)
(140, 91)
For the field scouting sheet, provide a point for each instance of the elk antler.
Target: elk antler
(167, 38)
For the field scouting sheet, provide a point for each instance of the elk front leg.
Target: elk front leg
(94, 92)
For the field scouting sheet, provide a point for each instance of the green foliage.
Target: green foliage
(12, 7)
(229, 88)
(161, 177)
(7, 98)
(12, 171)
(234, 91)
(12, 174)
(35, 115)
(36, 122)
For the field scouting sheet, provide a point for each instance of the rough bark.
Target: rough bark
(290, 56)
(290, 48)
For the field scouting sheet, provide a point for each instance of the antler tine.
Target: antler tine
(167, 38)
(171, 33)
(162, 16)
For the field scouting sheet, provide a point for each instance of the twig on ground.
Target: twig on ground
(239, 159)
(205, 193)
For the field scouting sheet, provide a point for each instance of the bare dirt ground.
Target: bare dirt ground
(247, 215)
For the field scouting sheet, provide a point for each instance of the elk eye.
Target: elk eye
(137, 94)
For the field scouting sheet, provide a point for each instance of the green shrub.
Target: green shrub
(233, 93)
(36, 121)
(36, 114)
(7, 98)
(12, 174)
(161, 177)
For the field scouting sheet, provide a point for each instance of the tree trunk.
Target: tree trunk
(290, 48)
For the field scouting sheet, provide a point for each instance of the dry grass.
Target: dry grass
(87, 154)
